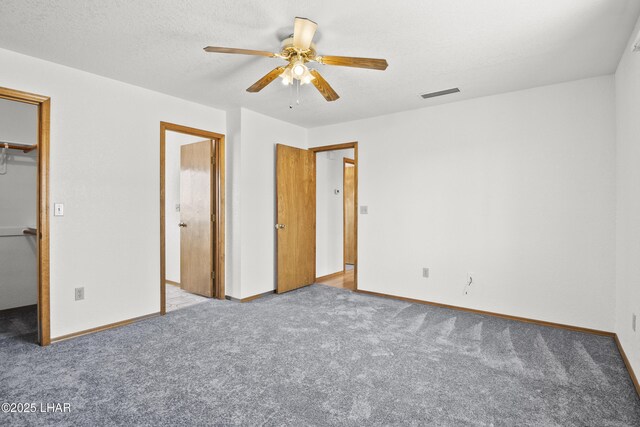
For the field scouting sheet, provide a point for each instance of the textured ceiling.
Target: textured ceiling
(481, 46)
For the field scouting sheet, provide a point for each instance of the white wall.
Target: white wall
(18, 207)
(627, 81)
(232, 221)
(329, 211)
(173, 142)
(259, 136)
(517, 188)
(105, 168)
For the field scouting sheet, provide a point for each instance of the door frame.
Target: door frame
(44, 121)
(218, 207)
(345, 146)
(346, 161)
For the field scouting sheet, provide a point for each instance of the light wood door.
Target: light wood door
(196, 218)
(296, 217)
(349, 206)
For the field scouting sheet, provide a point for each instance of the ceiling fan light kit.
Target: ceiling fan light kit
(298, 50)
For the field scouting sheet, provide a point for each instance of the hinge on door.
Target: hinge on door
(213, 218)
(213, 274)
(212, 159)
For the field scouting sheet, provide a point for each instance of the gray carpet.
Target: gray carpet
(322, 356)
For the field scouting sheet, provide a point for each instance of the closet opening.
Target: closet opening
(24, 219)
(191, 216)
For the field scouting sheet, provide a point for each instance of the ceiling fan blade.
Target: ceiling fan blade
(347, 61)
(215, 49)
(268, 78)
(323, 87)
(303, 31)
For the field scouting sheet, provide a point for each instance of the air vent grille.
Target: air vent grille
(440, 93)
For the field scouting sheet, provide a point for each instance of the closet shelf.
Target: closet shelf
(14, 146)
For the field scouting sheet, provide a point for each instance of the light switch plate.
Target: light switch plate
(58, 209)
(425, 272)
(79, 294)
(364, 210)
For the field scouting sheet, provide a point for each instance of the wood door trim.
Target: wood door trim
(104, 327)
(329, 276)
(191, 131)
(44, 122)
(219, 212)
(252, 297)
(494, 314)
(632, 374)
(345, 146)
(219, 206)
(20, 96)
(344, 215)
(334, 147)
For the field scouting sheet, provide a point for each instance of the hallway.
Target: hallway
(342, 279)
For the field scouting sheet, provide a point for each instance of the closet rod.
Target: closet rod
(30, 231)
(13, 146)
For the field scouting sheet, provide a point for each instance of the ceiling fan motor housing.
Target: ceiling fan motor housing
(287, 50)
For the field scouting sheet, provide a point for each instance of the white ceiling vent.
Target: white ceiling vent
(440, 93)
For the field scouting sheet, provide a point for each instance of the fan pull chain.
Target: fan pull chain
(295, 83)
(291, 96)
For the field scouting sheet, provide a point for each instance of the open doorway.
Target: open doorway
(335, 218)
(191, 217)
(299, 222)
(24, 223)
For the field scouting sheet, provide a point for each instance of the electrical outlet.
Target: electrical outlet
(425, 272)
(79, 294)
(364, 210)
(633, 322)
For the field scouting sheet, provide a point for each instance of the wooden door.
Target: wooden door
(196, 218)
(296, 217)
(349, 206)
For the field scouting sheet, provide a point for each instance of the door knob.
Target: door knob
(279, 226)
(182, 224)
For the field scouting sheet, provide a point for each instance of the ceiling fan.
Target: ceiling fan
(299, 49)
